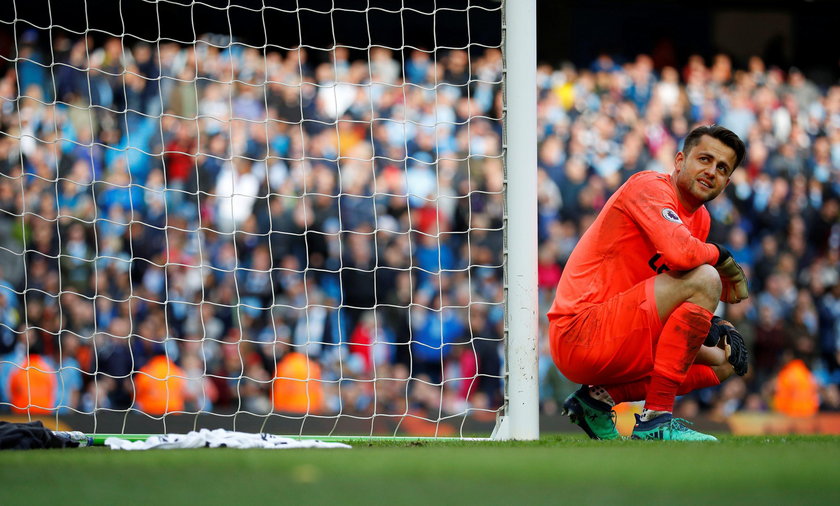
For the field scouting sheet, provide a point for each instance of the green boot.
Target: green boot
(596, 418)
(667, 428)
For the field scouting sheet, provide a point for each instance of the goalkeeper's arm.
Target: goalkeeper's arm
(731, 276)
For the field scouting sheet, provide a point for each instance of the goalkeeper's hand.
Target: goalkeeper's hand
(732, 277)
(733, 343)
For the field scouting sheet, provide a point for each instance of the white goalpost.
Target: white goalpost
(301, 218)
(521, 420)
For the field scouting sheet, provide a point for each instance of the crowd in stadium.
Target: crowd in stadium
(180, 218)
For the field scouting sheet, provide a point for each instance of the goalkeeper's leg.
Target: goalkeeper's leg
(608, 343)
(685, 302)
(698, 377)
(591, 407)
(665, 426)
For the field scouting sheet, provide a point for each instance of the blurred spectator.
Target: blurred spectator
(159, 386)
(32, 383)
(435, 328)
(70, 379)
(297, 386)
(796, 390)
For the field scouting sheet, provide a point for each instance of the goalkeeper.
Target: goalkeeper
(634, 305)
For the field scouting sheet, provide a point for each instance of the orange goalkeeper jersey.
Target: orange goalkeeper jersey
(641, 231)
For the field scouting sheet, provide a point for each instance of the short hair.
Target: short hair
(724, 135)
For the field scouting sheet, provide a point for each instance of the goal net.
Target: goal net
(274, 216)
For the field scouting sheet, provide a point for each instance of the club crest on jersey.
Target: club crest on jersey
(671, 215)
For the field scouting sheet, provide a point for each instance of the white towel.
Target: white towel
(218, 438)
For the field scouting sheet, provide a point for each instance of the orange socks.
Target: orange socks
(678, 344)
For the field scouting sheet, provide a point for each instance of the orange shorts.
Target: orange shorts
(608, 343)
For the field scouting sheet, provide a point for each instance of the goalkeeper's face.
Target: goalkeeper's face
(702, 173)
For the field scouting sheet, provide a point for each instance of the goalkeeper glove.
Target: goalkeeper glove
(736, 349)
(734, 346)
(715, 332)
(732, 276)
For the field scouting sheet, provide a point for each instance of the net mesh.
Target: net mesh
(257, 215)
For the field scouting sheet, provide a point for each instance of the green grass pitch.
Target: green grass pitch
(558, 469)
